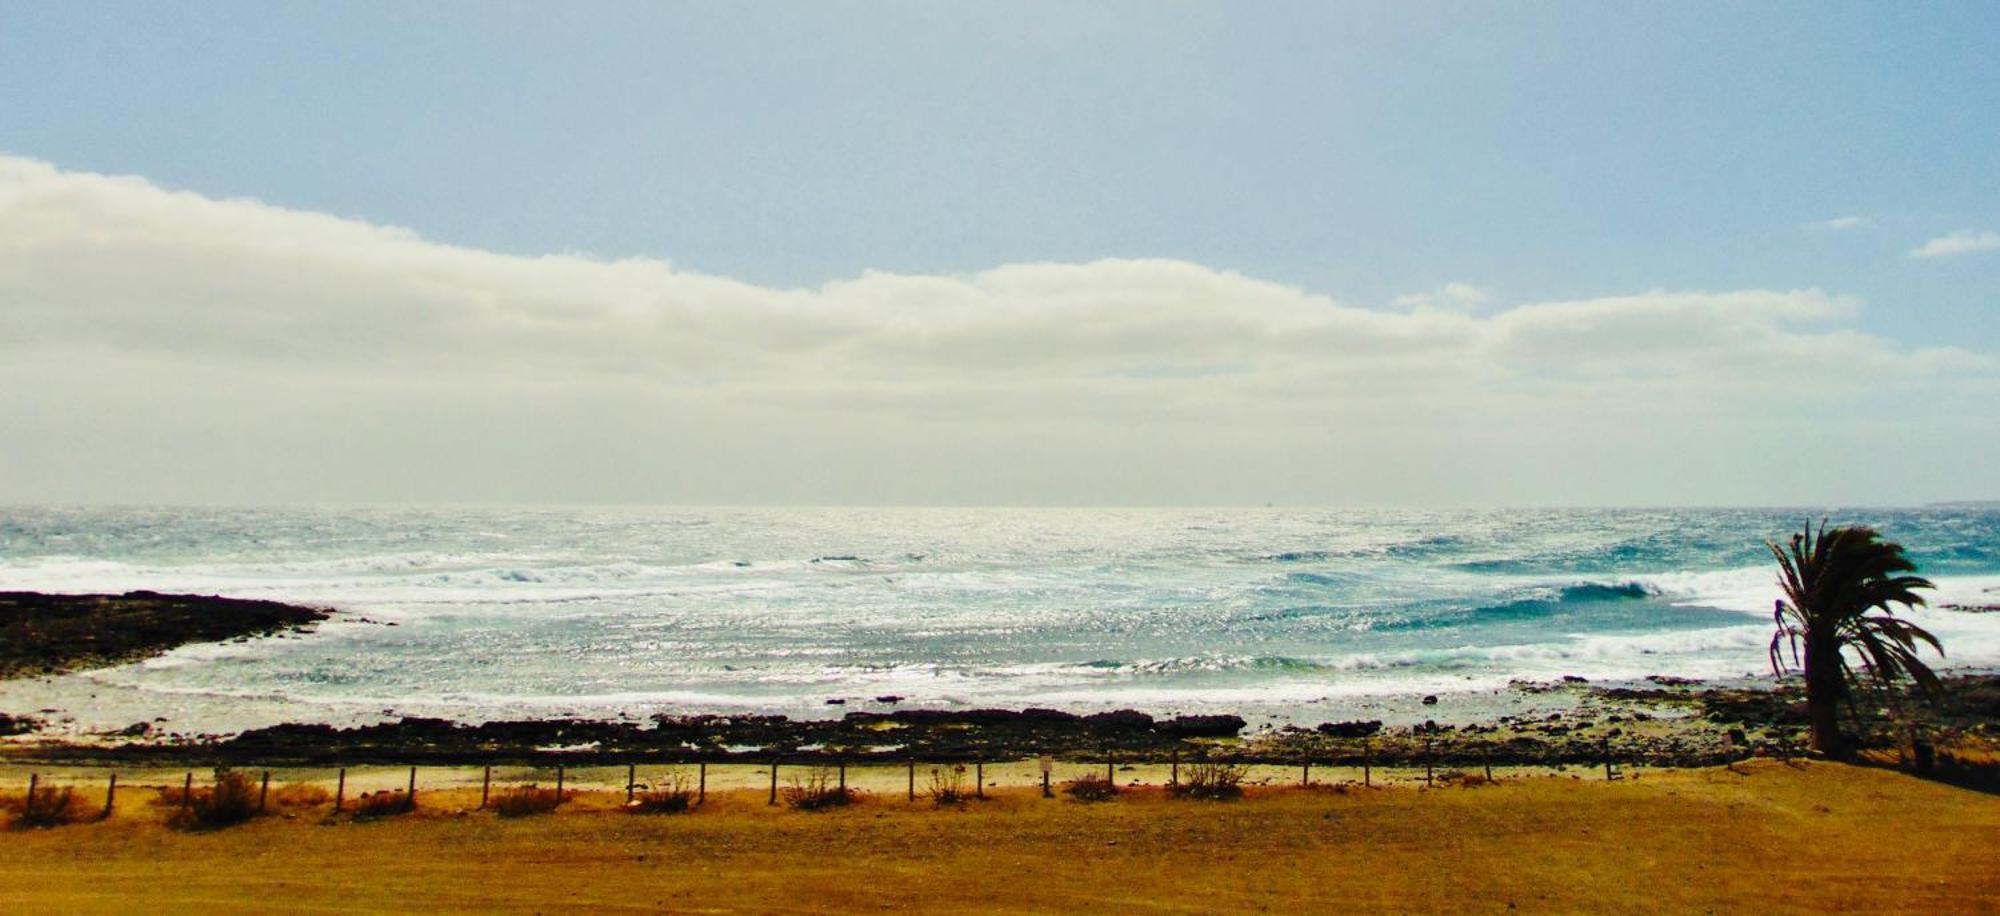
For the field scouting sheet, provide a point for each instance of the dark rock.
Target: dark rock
(1203, 726)
(1431, 700)
(889, 698)
(1120, 718)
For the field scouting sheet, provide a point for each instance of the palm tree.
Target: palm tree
(1832, 580)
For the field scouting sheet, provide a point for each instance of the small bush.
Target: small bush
(818, 790)
(48, 806)
(1091, 787)
(230, 800)
(301, 795)
(374, 805)
(948, 785)
(674, 796)
(1211, 781)
(522, 801)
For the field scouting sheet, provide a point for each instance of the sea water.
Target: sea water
(1276, 614)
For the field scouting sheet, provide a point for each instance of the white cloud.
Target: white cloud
(1454, 295)
(1964, 241)
(1839, 223)
(162, 344)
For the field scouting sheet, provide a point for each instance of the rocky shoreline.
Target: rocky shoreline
(44, 634)
(1667, 723)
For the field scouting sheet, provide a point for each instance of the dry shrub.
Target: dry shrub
(48, 806)
(948, 785)
(675, 795)
(230, 800)
(301, 795)
(522, 801)
(819, 790)
(1211, 781)
(1091, 787)
(386, 803)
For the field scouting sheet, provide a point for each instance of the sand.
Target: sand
(1764, 837)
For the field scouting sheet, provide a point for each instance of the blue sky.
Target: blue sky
(1363, 150)
(1394, 253)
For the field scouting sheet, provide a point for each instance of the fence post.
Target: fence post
(1305, 774)
(1609, 773)
(263, 791)
(774, 782)
(110, 792)
(843, 778)
(187, 793)
(1110, 778)
(1174, 776)
(411, 799)
(1430, 765)
(340, 791)
(559, 783)
(701, 788)
(913, 779)
(631, 771)
(1367, 762)
(1487, 757)
(485, 786)
(28, 805)
(979, 776)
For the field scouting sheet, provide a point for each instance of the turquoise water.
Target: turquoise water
(1282, 613)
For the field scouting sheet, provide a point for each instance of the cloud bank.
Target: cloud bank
(160, 344)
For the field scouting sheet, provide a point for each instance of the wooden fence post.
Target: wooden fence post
(631, 771)
(843, 777)
(701, 788)
(979, 777)
(263, 791)
(340, 791)
(110, 792)
(1487, 757)
(485, 786)
(559, 783)
(1430, 767)
(913, 779)
(1609, 773)
(187, 793)
(1110, 778)
(1367, 762)
(774, 783)
(1306, 774)
(28, 804)
(411, 798)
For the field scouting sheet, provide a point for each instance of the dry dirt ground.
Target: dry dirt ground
(1765, 837)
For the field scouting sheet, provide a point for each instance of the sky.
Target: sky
(1407, 254)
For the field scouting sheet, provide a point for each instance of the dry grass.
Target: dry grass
(1211, 781)
(1091, 787)
(818, 790)
(230, 800)
(523, 801)
(1677, 842)
(948, 785)
(48, 806)
(376, 805)
(674, 794)
(301, 795)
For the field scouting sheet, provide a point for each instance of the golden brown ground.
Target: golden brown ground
(1772, 838)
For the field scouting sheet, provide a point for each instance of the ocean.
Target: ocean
(1280, 615)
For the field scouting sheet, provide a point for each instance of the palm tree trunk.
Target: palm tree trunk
(1823, 692)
